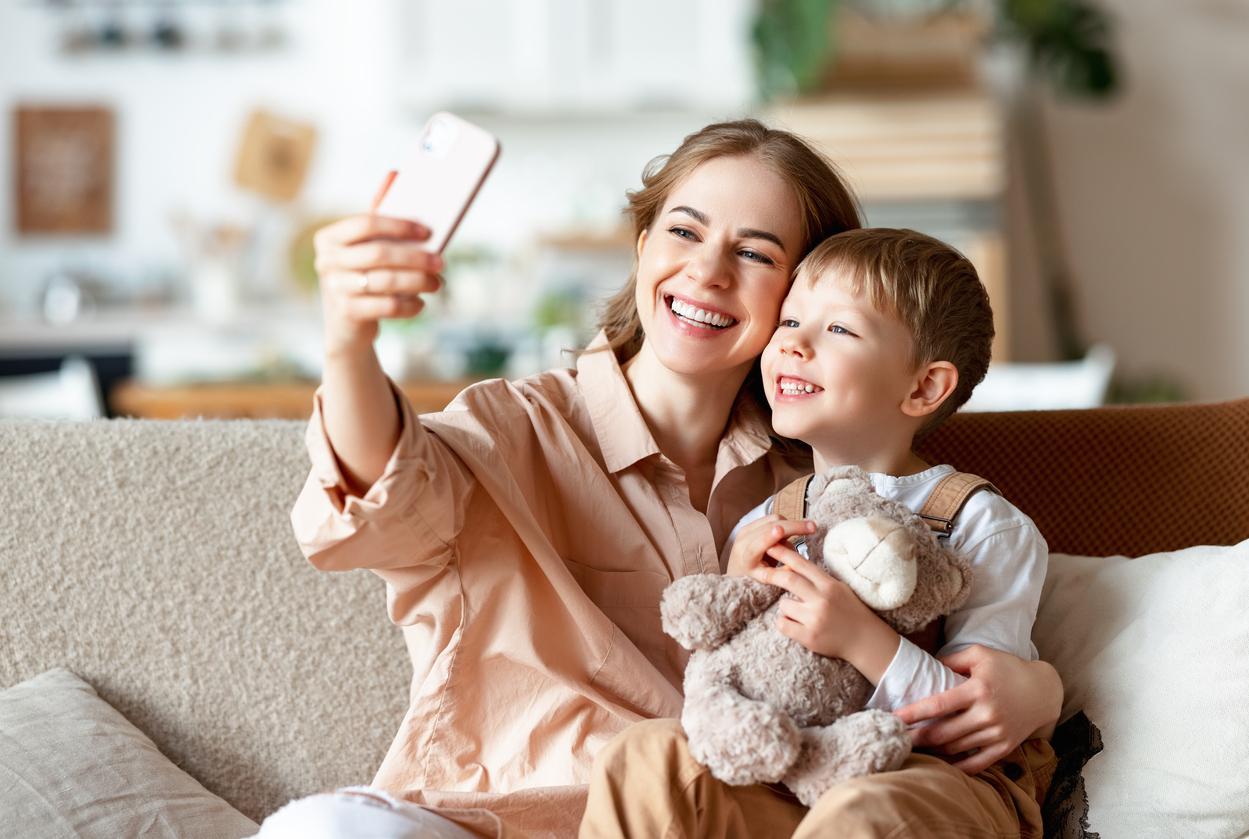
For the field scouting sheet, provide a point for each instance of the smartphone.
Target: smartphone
(440, 177)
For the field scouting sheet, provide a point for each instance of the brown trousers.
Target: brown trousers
(647, 785)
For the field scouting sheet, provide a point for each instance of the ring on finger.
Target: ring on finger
(362, 281)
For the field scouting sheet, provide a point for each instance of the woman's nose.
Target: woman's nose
(710, 266)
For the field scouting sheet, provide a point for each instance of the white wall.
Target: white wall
(1153, 193)
(180, 117)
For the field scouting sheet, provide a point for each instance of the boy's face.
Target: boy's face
(837, 371)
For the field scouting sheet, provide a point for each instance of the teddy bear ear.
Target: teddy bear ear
(841, 486)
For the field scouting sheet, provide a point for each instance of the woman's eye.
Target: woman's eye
(682, 232)
(758, 257)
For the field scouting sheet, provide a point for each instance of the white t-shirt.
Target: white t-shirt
(1008, 557)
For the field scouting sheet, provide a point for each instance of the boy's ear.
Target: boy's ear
(933, 384)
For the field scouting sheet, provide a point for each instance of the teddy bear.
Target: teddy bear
(762, 708)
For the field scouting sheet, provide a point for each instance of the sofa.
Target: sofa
(170, 666)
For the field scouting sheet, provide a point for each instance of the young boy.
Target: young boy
(883, 335)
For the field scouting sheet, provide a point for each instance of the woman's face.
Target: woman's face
(715, 265)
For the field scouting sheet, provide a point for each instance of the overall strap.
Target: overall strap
(791, 503)
(947, 500)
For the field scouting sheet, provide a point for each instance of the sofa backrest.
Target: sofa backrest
(1130, 480)
(156, 561)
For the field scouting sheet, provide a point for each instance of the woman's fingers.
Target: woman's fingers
(387, 281)
(983, 759)
(379, 254)
(936, 706)
(364, 227)
(380, 307)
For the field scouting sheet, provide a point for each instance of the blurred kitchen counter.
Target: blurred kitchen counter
(252, 400)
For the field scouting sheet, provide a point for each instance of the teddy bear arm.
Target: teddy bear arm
(702, 611)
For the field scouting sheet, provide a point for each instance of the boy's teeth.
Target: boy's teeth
(792, 388)
(692, 312)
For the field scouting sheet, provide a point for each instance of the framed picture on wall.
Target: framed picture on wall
(63, 170)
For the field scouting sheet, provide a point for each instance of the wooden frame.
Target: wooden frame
(63, 162)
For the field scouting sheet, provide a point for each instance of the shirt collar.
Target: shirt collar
(623, 434)
(747, 438)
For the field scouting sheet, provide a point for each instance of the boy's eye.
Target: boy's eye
(839, 329)
(787, 322)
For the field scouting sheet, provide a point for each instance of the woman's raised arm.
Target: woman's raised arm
(371, 267)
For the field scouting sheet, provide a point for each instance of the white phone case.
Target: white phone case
(441, 176)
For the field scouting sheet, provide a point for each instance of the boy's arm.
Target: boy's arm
(826, 616)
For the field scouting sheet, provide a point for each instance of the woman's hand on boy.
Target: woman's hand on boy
(1005, 700)
(826, 616)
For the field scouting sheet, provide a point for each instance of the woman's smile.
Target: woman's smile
(698, 315)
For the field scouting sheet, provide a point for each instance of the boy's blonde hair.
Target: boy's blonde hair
(927, 285)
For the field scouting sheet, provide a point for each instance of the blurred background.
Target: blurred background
(167, 160)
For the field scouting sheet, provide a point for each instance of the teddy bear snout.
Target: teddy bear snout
(875, 556)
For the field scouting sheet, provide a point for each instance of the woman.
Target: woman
(526, 533)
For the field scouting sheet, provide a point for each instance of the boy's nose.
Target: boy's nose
(795, 344)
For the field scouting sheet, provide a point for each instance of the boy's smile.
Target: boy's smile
(838, 374)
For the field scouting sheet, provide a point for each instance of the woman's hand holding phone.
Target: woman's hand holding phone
(374, 266)
(371, 267)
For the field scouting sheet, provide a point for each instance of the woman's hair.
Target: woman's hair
(826, 204)
(931, 288)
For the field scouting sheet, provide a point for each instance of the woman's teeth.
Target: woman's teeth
(691, 313)
(791, 387)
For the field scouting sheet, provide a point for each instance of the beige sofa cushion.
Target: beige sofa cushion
(70, 765)
(156, 561)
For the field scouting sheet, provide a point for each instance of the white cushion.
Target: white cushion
(1155, 651)
(72, 766)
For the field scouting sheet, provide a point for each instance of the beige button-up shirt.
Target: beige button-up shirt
(526, 536)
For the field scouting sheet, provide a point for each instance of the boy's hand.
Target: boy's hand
(1004, 701)
(826, 616)
(757, 538)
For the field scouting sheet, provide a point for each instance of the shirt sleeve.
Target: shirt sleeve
(911, 676)
(407, 518)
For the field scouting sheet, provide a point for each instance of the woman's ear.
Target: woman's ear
(933, 384)
(641, 243)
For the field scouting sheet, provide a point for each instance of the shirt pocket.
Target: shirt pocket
(630, 599)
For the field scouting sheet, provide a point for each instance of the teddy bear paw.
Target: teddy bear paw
(860, 744)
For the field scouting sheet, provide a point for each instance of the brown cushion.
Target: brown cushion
(1128, 480)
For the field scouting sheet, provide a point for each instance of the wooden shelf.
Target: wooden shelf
(907, 146)
(276, 400)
